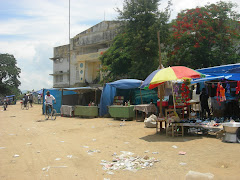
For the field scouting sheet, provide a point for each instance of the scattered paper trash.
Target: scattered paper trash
(2, 147)
(192, 175)
(86, 146)
(114, 154)
(182, 163)
(90, 152)
(38, 151)
(69, 156)
(29, 143)
(93, 126)
(146, 151)
(126, 161)
(57, 159)
(174, 146)
(46, 168)
(93, 139)
(181, 153)
(106, 179)
(154, 152)
(11, 134)
(61, 141)
(126, 142)
(16, 155)
(110, 172)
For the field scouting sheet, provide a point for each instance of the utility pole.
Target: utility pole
(69, 45)
(160, 87)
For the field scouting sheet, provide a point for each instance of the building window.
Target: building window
(81, 65)
(60, 78)
(81, 71)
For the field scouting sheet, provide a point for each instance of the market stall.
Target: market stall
(222, 85)
(121, 110)
(58, 94)
(83, 103)
(11, 99)
(146, 108)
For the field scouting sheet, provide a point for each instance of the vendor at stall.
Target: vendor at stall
(204, 103)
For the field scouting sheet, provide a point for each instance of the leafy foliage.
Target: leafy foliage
(9, 74)
(134, 52)
(205, 36)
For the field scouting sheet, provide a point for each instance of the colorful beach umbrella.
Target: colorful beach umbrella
(160, 76)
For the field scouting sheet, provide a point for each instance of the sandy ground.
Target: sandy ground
(39, 144)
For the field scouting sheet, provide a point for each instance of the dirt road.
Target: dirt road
(73, 148)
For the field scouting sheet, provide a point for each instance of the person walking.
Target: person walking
(25, 100)
(39, 98)
(30, 99)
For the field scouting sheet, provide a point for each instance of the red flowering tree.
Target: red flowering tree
(205, 36)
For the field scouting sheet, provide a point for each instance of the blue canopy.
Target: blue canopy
(109, 91)
(58, 96)
(230, 72)
(10, 96)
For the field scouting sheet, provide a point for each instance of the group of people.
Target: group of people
(27, 98)
(48, 99)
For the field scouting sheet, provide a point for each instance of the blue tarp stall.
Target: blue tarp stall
(39, 91)
(228, 72)
(225, 74)
(109, 91)
(12, 99)
(82, 96)
(57, 93)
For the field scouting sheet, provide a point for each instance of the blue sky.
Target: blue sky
(31, 28)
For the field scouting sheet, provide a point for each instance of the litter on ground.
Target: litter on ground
(126, 161)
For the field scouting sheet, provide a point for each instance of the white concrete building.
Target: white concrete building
(85, 50)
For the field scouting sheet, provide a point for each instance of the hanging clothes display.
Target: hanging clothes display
(220, 93)
(185, 92)
(228, 89)
(176, 89)
(238, 87)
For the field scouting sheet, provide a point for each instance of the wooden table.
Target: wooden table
(146, 108)
(185, 107)
(159, 127)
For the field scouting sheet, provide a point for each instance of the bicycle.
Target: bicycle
(49, 113)
(26, 106)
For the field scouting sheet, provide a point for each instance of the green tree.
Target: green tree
(205, 36)
(9, 74)
(134, 52)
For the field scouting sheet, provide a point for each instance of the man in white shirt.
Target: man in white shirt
(48, 101)
(39, 98)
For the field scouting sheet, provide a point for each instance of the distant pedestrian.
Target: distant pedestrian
(30, 99)
(25, 100)
(39, 98)
(204, 103)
